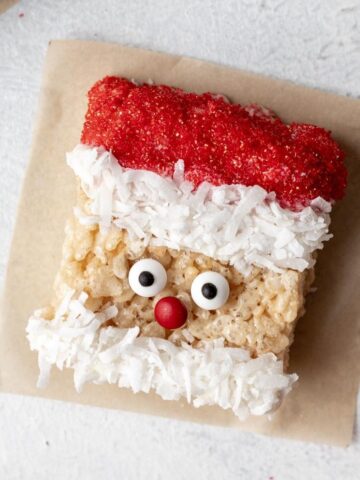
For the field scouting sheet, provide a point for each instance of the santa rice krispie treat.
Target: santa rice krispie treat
(191, 248)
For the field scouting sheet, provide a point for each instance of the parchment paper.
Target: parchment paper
(6, 4)
(326, 349)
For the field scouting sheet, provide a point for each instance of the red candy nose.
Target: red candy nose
(170, 313)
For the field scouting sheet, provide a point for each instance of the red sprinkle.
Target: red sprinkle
(151, 127)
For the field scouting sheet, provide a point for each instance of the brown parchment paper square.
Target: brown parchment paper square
(326, 349)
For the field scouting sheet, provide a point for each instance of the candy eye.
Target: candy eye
(210, 290)
(147, 277)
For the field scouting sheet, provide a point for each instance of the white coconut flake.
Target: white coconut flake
(210, 374)
(241, 225)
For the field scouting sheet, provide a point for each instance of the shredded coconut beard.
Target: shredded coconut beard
(244, 226)
(210, 374)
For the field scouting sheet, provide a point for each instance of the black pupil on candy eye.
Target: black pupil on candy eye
(209, 291)
(146, 279)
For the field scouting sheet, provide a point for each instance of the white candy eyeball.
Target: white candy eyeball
(147, 277)
(210, 290)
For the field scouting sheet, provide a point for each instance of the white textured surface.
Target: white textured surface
(312, 42)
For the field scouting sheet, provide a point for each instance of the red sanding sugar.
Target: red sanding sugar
(153, 126)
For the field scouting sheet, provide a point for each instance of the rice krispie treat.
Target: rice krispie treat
(191, 249)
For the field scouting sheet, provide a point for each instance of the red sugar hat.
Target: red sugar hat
(152, 127)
